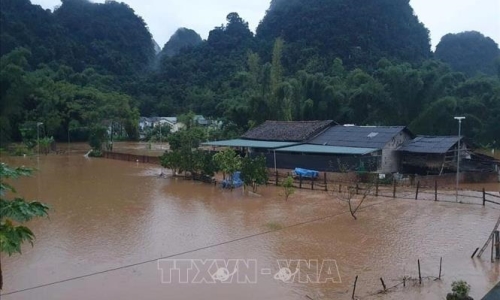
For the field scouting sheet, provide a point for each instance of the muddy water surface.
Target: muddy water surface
(108, 214)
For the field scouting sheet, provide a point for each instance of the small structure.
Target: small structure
(438, 154)
(431, 154)
(172, 122)
(201, 121)
(384, 139)
(144, 123)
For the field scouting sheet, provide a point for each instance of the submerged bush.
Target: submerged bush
(460, 291)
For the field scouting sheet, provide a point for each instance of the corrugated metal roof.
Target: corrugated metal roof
(249, 144)
(430, 144)
(307, 148)
(358, 136)
(287, 131)
(493, 294)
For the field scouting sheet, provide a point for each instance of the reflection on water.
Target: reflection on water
(106, 214)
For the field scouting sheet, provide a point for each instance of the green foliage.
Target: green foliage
(45, 144)
(98, 135)
(184, 156)
(228, 162)
(274, 226)
(204, 163)
(288, 188)
(15, 211)
(254, 171)
(359, 33)
(460, 288)
(460, 291)
(86, 64)
(172, 160)
(183, 38)
(469, 52)
(158, 133)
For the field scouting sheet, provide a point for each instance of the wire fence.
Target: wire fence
(380, 188)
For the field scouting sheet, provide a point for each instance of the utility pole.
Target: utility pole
(458, 153)
(38, 136)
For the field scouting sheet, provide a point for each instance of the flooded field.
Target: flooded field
(110, 221)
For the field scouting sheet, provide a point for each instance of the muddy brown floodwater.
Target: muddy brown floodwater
(106, 215)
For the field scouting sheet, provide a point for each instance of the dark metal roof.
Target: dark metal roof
(430, 144)
(493, 294)
(358, 136)
(283, 131)
(306, 148)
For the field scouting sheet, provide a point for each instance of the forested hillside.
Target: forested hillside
(469, 52)
(357, 31)
(89, 65)
(182, 38)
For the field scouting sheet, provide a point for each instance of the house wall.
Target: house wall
(423, 163)
(320, 162)
(390, 157)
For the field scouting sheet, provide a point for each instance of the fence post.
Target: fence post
(497, 244)
(300, 181)
(419, 274)
(416, 193)
(440, 266)
(477, 249)
(492, 245)
(484, 197)
(276, 177)
(324, 179)
(357, 188)
(394, 189)
(435, 190)
(354, 288)
(312, 183)
(383, 284)
(376, 187)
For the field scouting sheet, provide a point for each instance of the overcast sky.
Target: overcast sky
(439, 16)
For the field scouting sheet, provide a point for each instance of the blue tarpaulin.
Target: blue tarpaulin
(233, 182)
(304, 173)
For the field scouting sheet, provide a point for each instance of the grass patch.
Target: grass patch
(274, 226)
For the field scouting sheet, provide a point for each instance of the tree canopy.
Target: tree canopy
(469, 52)
(363, 62)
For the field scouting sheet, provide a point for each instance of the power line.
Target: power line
(180, 253)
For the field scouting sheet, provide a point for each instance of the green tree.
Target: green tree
(15, 212)
(460, 291)
(254, 171)
(172, 160)
(288, 188)
(204, 163)
(228, 162)
(98, 135)
(45, 145)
